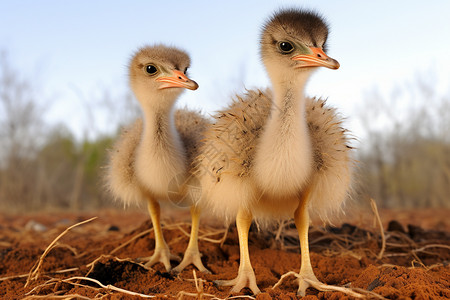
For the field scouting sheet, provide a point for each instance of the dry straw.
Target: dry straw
(35, 271)
(343, 244)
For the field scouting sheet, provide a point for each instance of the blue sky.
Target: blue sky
(78, 49)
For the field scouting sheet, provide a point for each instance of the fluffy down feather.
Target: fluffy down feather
(228, 153)
(121, 176)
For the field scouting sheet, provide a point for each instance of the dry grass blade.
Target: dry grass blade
(383, 239)
(54, 296)
(131, 240)
(198, 286)
(235, 297)
(184, 231)
(200, 291)
(35, 271)
(14, 277)
(128, 260)
(281, 225)
(108, 287)
(28, 274)
(203, 237)
(5, 244)
(166, 227)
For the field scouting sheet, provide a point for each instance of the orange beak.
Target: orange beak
(178, 80)
(317, 59)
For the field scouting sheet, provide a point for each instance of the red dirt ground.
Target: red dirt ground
(415, 264)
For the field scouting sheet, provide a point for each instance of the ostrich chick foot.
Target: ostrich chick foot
(191, 257)
(308, 279)
(245, 278)
(162, 255)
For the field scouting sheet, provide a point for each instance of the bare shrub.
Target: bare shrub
(21, 134)
(46, 166)
(406, 153)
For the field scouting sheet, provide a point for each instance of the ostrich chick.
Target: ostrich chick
(280, 152)
(154, 154)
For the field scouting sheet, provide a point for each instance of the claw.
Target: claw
(244, 279)
(162, 255)
(191, 257)
(246, 275)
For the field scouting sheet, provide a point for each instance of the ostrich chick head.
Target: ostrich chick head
(158, 74)
(294, 41)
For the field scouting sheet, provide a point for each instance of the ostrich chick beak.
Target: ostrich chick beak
(318, 58)
(177, 80)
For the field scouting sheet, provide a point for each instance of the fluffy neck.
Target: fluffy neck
(160, 155)
(159, 126)
(288, 106)
(284, 156)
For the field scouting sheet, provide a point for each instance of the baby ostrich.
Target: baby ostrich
(157, 152)
(278, 152)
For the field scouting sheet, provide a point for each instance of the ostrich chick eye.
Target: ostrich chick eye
(151, 69)
(286, 47)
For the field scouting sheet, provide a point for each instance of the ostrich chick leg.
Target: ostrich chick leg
(306, 277)
(301, 217)
(246, 275)
(192, 254)
(162, 253)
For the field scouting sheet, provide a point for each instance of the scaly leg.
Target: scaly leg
(306, 275)
(246, 275)
(192, 254)
(162, 253)
(301, 218)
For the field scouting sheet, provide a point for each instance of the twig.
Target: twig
(281, 225)
(383, 239)
(283, 277)
(431, 246)
(35, 271)
(47, 283)
(320, 286)
(198, 286)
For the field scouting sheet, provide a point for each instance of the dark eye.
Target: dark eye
(151, 69)
(286, 47)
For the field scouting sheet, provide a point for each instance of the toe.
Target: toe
(194, 259)
(225, 282)
(175, 257)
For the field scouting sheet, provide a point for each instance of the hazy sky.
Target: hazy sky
(78, 49)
